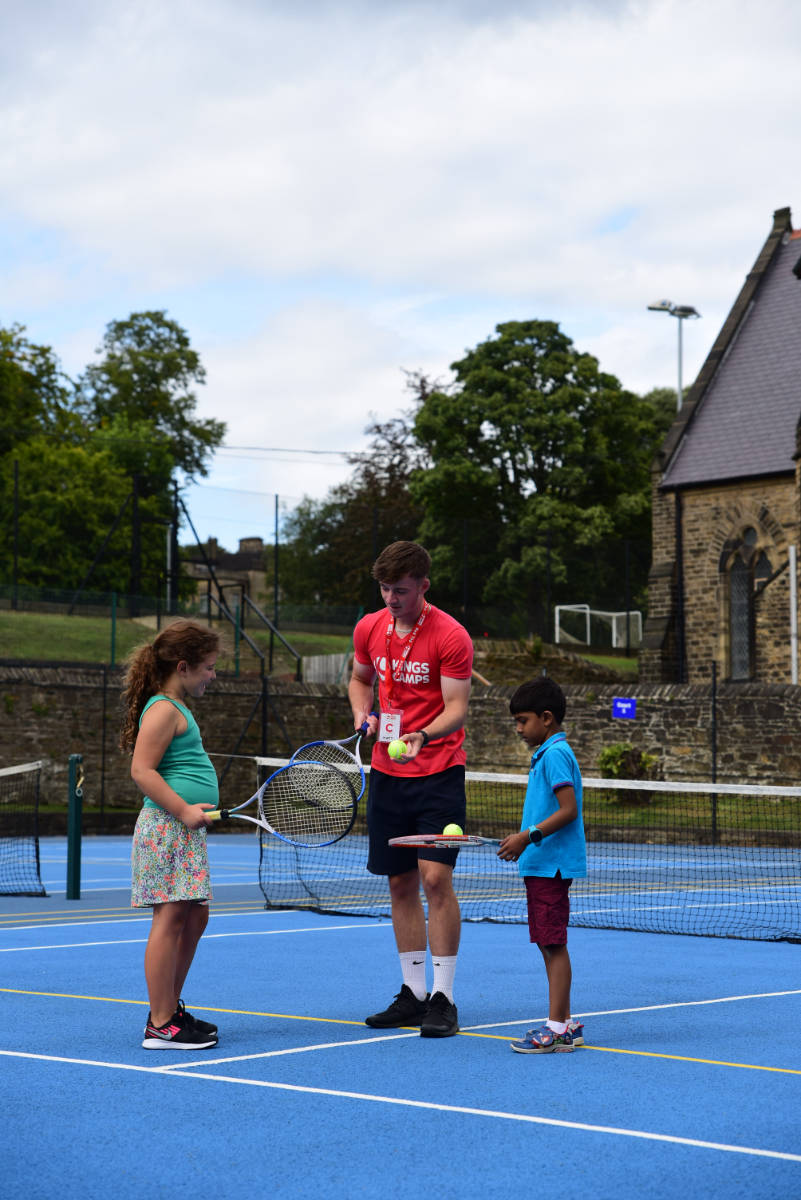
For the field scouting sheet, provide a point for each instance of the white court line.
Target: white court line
(53, 891)
(170, 1068)
(461, 1110)
(135, 917)
(206, 937)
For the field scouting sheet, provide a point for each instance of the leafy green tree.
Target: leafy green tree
(539, 475)
(34, 393)
(69, 498)
(145, 380)
(83, 451)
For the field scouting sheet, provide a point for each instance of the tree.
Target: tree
(95, 460)
(540, 469)
(69, 499)
(34, 393)
(145, 379)
(332, 544)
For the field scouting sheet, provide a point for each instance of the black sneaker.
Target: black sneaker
(442, 1019)
(177, 1034)
(194, 1022)
(405, 1009)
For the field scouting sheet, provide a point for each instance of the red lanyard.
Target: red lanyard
(390, 678)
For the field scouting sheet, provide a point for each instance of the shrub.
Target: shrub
(622, 761)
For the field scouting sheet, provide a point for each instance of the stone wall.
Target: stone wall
(49, 713)
(713, 520)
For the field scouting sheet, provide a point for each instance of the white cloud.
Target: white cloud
(387, 182)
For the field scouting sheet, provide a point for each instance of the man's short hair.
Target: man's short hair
(539, 695)
(399, 559)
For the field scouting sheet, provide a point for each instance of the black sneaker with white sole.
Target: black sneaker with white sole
(405, 1009)
(442, 1019)
(194, 1022)
(177, 1034)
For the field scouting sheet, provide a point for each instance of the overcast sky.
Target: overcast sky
(325, 194)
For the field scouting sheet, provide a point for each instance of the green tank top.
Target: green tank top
(186, 766)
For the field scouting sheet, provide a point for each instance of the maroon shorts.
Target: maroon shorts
(548, 903)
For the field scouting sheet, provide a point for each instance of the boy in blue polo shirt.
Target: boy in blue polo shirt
(550, 851)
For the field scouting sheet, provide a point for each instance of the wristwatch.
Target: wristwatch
(535, 835)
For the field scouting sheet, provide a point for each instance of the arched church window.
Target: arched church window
(740, 620)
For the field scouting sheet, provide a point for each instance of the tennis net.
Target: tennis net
(716, 860)
(19, 831)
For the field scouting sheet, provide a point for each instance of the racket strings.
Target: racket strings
(310, 802)
(330, 753)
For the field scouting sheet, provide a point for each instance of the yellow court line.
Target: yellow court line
(236, 1012)
(498, 1037)
(93, 914)
(710, 1062)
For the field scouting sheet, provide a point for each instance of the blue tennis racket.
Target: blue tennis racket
(304, 803)
(338, 754)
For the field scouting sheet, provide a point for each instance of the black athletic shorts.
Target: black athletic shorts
(417, 804)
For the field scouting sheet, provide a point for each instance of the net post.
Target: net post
(74, 821)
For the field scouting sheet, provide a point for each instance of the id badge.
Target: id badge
(390, 725)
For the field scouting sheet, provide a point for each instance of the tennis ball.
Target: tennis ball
(397, 748)
(453, 830)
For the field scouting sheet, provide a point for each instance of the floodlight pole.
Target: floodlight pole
(681, 312)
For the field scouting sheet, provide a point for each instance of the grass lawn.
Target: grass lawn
(59, 638)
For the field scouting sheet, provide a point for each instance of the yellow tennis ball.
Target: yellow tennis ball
(453, 830)
(397, 748)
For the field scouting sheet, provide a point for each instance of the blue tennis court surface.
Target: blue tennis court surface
(688, 1084)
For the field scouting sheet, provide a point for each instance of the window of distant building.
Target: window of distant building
(748, 566)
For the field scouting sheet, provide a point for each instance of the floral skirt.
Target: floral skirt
(169, 861)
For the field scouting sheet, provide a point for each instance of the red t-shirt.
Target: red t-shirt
(442, 647)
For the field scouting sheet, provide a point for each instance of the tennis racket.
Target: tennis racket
(304, 804)
(339, 755)
(444, 841)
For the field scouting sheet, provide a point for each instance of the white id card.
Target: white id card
(390, 725)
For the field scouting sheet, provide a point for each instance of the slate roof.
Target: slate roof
(739, 418)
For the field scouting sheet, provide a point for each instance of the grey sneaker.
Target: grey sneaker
(405, 1009)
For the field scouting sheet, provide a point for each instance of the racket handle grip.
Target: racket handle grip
(219, 814)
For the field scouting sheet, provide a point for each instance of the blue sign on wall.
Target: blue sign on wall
(621, 707)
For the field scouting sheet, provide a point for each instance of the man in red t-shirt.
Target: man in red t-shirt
(423, 661)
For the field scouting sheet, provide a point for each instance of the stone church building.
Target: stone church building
(727, 494)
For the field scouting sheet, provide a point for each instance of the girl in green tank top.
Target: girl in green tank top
(169, 862)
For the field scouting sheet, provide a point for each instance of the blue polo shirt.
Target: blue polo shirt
(553, 766)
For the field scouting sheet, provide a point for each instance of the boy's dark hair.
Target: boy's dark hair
(399, 559)
(538, 695)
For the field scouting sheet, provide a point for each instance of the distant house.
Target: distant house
(237, 574)
(727, 492)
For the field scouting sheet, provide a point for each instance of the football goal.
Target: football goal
(578, 624)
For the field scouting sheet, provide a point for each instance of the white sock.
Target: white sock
(557, 1026)
(444, 971)
(413, 966)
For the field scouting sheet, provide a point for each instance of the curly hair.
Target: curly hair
(150, 665)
